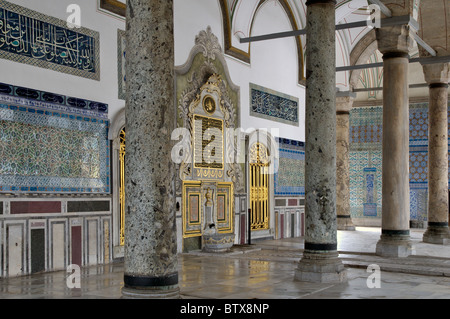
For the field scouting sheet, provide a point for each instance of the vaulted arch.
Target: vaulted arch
(228, 14)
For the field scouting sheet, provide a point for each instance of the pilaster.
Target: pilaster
(344, 102)
(437, 77)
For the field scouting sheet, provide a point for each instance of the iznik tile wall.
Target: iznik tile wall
(51, 143)
(289, 179)
(366, 161)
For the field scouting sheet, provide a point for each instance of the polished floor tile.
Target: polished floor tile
(265, 271)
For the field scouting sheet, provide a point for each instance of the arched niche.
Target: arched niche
(208, 173)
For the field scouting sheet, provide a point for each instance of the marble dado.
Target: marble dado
(289, 217)
(49, 234)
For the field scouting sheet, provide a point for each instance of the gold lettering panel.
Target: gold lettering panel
(208, 174)
(208, 142)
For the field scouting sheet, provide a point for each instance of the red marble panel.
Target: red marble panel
(76, 245)
(35, 207)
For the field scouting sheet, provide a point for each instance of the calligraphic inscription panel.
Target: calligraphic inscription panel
(272, 105)
(208, 142)
(46, 151)
(33, 38)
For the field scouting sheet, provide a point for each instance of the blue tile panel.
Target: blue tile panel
(365, 162)
(289, 178)
(30, 37)
(30, 97)
(366, 155)
(52, 148)
(275, 106)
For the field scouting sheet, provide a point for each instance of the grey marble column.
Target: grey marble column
(151, 269)
(437, 76)
(320, 262)
(394, 44)
(344, 102)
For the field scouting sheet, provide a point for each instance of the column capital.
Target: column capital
(397, 39)
(344, 101)
(394, 39)
(403, 7)
(438, 73)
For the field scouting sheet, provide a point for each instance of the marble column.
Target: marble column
(320, 261)
(437, 77)
(344, 102)
(150, 261)
(394, 43)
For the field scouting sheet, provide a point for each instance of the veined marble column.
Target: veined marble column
(437, 77)
(320, 262)
(344, 102)
(394, 44)
(151, 269)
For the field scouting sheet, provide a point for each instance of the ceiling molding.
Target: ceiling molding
(114, 6)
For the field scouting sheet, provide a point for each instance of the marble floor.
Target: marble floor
(266, 270)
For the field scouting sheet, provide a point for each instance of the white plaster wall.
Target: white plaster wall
(190, 17)
(105, 90)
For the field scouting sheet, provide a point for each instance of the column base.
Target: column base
(437, 235)
(344, 222)
(395, 246)
(321, 268)
(171, 292)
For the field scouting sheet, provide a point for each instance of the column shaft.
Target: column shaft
(150, 230)
(395, 211)
(437, 231)
(320, 262)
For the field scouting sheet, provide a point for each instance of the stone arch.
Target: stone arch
(361, 53)
(246, 56)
